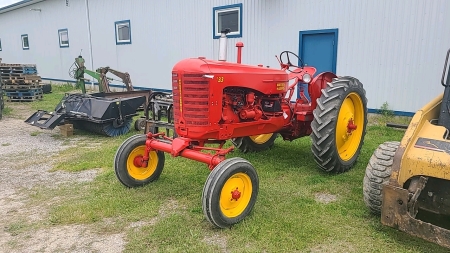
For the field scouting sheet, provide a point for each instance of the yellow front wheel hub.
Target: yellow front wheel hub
(135, 166)
(261, 138)
(235, 195)
(349, 126)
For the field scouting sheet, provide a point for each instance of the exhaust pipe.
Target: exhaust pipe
(223, 45)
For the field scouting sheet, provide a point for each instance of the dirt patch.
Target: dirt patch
(333, 246)
(325, 198)
(217, 240)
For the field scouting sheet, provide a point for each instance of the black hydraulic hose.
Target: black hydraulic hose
(401, 126)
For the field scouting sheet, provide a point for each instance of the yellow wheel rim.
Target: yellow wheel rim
(135, 170)
(349, 127)
(235, 195)
(261, 138)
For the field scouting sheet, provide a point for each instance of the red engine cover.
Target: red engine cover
(198, 87)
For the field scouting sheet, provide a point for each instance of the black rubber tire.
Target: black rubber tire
(211, 204)
(246, 144)
(139, 124)
(324, 125)
(121, 162)
(378, 171)
(46, 88)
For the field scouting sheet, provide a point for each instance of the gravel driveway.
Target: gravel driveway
(26, 155)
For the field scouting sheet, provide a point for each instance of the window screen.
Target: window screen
(63, 38)
(123, 32)
(25, 42)
(229, 19)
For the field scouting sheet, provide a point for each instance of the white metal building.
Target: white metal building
(396, 48)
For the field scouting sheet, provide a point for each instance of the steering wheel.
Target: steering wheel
(289, 63)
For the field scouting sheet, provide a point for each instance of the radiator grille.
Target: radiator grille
(194, 99)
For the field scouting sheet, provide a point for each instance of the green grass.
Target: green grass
(286, 218)
(7, 111)
(50, 101)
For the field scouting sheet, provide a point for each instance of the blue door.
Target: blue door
(318, 48)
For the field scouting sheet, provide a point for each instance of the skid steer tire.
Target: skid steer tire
(254, 143)
(339, 124)
(127, 165)
(378, 171)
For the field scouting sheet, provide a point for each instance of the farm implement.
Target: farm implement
(216, 101)
(107, 113)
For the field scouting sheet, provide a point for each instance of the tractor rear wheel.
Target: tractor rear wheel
(339, 124)
(377, 174)
(230, 192)
(128, 162)
(254, 143)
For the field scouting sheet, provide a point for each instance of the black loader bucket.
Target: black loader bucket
(108, 114)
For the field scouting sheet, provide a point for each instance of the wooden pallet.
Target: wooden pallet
(21, 81)
(27, 93)
(7, 71)
(13, 87)
(24, 99)
(21, 77)
(9, 74)
(14, 65)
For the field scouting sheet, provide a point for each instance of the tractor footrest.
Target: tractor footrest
(45, 120)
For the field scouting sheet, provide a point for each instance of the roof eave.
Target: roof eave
(18, 5)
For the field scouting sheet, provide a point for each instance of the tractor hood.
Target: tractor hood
(202, 65)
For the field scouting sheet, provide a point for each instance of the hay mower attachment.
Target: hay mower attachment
(108, 114)
(216, 101)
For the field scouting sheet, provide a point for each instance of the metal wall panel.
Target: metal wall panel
(396, 48)
(42, 29)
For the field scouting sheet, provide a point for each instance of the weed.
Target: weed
(6, 144)
(385, 111)
(35, 133)
(16, 228)
(7, 110)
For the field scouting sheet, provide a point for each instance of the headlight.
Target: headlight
(306, 78)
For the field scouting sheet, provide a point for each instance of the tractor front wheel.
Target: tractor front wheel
(254, 143)
(230, 192)
(378, 172)
(339, 124)
(129, 166)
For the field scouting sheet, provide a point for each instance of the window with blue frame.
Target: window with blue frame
(63, 35)
(25, 42)
(123, 32)
(229, 16)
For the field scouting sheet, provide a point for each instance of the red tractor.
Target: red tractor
(216, 101)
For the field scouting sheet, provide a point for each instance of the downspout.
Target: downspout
(90, 40)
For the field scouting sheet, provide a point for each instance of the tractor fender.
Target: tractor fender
(318, 83)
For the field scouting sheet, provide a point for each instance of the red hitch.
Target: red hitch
(182, 147)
